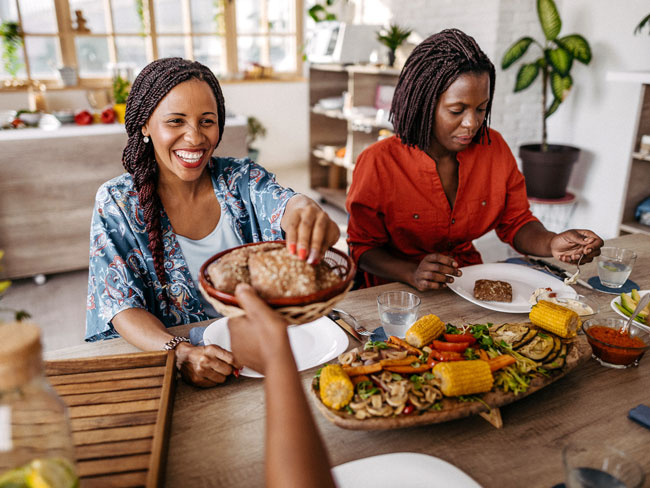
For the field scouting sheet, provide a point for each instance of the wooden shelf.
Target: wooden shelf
(333, 196)
(335, 160)
(635, 228)
(641, 156)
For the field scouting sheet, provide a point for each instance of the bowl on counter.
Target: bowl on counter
(583, 306)
(30, 118)
(64, 116)
(612, 349)
(6, 117)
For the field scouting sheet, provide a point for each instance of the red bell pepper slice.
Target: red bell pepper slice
(446, 355)
(460, 338)
(450, 346)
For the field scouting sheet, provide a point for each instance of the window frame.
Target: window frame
(66, 41)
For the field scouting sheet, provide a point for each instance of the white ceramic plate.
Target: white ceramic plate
(618, 300)
(312, 343)
(401, 469)
(524, 282)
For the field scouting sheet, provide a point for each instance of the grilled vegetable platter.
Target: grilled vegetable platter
(442, 372)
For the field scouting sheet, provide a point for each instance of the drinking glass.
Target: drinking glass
(592, 465)
(614, 266)
(397, 311)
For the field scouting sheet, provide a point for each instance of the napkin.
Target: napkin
(379, 335)
(196, 335)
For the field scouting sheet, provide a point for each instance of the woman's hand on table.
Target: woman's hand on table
(434, 272)
(204, 366)
(260, 336)
(309, 230)
(570, 245)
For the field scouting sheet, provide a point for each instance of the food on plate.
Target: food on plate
(394, 378)
(424, 330)
(538, 291)
(555, 318)
(464, 377)
(272, 271)
(336, 389)
(629, 301)
(492, 290)
(577, 303)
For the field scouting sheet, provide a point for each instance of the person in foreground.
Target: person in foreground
(295, 455)
(154, 226)
(419, 199)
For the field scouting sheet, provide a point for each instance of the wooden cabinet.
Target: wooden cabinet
(353, 125)
(638, 179)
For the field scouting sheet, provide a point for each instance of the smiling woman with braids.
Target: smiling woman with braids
(419, 199)
(154, 226)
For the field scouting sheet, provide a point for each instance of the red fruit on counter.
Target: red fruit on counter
(83, 118)
(108, 115)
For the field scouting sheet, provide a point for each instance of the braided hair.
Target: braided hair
(430, 69)
(153, 83)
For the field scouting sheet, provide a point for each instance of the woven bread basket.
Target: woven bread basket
(297, 310)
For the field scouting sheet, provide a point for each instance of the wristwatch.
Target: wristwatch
(175, 342)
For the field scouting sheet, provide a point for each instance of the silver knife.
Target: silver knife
(557, 271)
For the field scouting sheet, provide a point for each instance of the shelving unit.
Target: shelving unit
(348, 127)
(638, 181)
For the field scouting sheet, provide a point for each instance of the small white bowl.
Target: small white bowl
(30, 118)
(572, 301)
(7, 117)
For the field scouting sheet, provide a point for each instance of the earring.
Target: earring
(146, 139)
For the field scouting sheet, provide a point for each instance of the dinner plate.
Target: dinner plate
(524, 282)
(312, 343)
(617, 300)
(401, 469)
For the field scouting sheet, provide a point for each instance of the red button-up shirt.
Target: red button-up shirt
(397, 202)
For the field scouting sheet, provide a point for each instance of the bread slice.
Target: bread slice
(494, 291)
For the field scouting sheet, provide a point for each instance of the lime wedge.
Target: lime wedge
(51, 473)
(610, 268)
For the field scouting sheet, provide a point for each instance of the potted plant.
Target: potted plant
(121, 88)
(255, 129)
(392, 38)
(644, 22)
(12, 40)
(547, 167)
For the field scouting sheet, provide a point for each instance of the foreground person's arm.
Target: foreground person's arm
(295, 455)
(203, 366)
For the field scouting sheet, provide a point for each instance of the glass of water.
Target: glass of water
(614, 266)
(397, 311)
(593, 465)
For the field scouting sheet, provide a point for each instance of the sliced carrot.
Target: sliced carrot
(484, 355)
(408, 369)
(358, 379)
(405, 345)
(399, 362)
(502, 361)
(365, 369)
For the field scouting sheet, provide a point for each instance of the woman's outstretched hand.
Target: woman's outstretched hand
(309, 230)
(569, 245)
(434, 271)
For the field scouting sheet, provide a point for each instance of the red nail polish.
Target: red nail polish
(302, 253)
(292, 248)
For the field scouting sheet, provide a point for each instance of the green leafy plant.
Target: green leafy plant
(644, 22)
(12, 40)
(392, 38)
(18, 315)
(555, 63)
(255, 130)
(121, 88)
(319, 11)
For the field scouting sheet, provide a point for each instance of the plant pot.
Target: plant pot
(547, 173)
(253, 154)
(391, 58)
(120, 110)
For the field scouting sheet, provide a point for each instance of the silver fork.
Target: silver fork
(573, 279)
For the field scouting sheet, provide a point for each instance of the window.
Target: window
(99, 36)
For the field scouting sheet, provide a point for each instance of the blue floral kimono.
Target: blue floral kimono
(121, 272)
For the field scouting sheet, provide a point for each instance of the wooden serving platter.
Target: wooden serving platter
(120, 411)
(578, 352)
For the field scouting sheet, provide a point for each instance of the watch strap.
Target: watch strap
(174, 342)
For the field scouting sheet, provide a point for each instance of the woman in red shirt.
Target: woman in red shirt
(419, 199)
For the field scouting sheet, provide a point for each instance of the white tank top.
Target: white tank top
(197, 252)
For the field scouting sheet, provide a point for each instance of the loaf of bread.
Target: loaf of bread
(495, 291)
(272, 271)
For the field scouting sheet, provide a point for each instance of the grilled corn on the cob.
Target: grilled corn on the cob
(424, 330)
(336, 388)
(464, 377)
(555, 318)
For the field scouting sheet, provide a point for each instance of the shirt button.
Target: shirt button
(453, 221)
(416, 216)
(484, 203)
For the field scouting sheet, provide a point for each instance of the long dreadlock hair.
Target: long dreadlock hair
(430, 69)
(153, 83)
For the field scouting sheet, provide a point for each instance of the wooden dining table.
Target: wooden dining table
(217, 434)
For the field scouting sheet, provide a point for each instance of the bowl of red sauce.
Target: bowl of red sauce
(613, 349)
